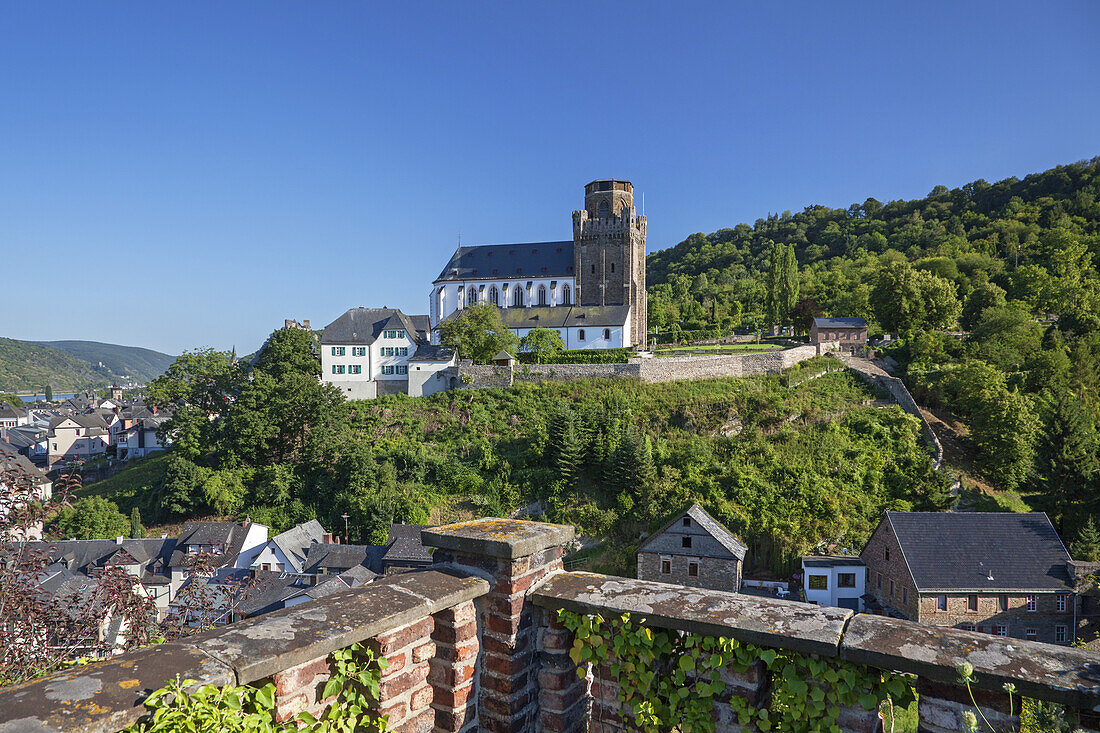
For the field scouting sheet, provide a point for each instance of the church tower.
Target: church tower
(609, 252)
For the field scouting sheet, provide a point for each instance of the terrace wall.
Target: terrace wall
(474, 643)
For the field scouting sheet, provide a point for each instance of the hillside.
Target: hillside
(128, 363)
(29, 367)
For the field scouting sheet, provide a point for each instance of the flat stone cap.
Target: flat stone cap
(798, 627)
(502, 538)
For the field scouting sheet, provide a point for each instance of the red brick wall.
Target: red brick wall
(904, 598)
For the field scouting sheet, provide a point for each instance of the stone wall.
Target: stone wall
(712, 573)
(657, 369)
(476, 643)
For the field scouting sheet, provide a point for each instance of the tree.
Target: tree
(544, 343)
(984, 296)
(478, 332)
(198, 387)
(136, 530)
(782, 291)
(49, 393)
(1007, 336)
(1087, 545)
(93, 518)
(1067, 460)
(1005, 429)
(906, 300)
(803, 314)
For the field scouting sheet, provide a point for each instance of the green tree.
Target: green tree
(1007, 336)
(478, 332)
(782, 291)
(136, 530)
(1005, 429)
(544, 343)
(1087, 545)
(1067, 460)
(906, 300)
(93, 518)
(984, 296)
(49, 393)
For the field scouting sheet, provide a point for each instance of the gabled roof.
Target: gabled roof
(230, 535)
(297, 540)
(510, 262)
(855, 322)
(432, 352)
(959, 551)
(365, 325)
(404, 545)
(344, 556)
(709, 537)
(84, 420)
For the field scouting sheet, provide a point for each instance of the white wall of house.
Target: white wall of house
(833, 594)
(254, 542)
(429, 377)
(271, 557)
(70, 441)
(447, 296)
(588, 337)
(356, 369)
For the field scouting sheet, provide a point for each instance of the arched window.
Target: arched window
(580, 334)
(566, 294)
(471, 295)
(605, 210)
(607, 334)
(494, 296)
(517, 296)
(542, 295)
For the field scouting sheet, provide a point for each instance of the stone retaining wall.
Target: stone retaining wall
(652, 370)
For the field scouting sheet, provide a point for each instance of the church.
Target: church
(591, 290)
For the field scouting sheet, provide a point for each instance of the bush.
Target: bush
(582, 356)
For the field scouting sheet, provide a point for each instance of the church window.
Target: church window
(542, 295)
(517, 297)
(613, 267)
(494, 295)
(607, 334)
(605, 210)
(471, 295)
(565, 295)
(580, 334)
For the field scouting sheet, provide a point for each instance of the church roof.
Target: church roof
(561, 316)
(510, 261)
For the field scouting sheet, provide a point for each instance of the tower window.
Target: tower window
(593, 269)
(612, 267)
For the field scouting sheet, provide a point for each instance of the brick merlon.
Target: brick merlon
(507, 539)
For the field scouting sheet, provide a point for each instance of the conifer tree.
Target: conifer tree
(570, 450)
(1087, 545)
(136, 530)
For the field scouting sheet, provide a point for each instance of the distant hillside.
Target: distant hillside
(129, 363)
(27, 366)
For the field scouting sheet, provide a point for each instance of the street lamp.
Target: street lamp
(346, 540)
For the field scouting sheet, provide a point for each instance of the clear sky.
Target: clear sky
(175, 175)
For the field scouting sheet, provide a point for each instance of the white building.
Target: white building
(834, 580)
(376, 351)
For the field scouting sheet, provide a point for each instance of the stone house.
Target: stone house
(694, 549)
(850, 334)
(1004, 573)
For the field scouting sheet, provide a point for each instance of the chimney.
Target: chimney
(154, 409)
(305, 324)
(326, 538)
(118, 540)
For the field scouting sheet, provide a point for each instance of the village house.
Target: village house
(369, 352)
(19, 480)
(693, 549)
(1000, 573)
(849, 333)
(77, 437)
(834, 580)
(13, 417)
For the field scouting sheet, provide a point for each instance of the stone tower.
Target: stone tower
(609, 251)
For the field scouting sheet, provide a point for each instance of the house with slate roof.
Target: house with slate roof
(849, 333)
(374, 351)
(591, 289)
(24, 481)
(77, 437)
(999, 573)
(693, 549)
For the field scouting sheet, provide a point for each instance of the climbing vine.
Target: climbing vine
(354, 684)
(668, 679)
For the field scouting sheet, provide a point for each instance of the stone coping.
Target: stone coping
(798, 627)
(106, 696)
(508, 539)
(1046, 671)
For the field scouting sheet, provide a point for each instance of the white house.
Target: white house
(77, 437)
(834, 580)
(371, 351)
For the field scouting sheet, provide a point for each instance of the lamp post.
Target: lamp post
(346, 540)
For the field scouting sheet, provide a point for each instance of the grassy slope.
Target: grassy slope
(125, 486)
(26, 367)
(125, 361)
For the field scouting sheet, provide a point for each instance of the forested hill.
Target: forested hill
(1014, 233)
(132, 363)
(26, 366)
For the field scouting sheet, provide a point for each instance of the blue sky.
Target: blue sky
(175, 175)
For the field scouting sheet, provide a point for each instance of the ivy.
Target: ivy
(354, 684)
(669, 679)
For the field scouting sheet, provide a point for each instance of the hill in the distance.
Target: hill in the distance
(27, 366)
(130, 363)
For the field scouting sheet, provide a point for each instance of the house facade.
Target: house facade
(369, 352)
(1000, 573)
(834, 580)
(694, 549)
(599, 275)
(77, 437)
(849, 333)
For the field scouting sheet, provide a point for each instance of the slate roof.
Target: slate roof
(432, 352)
(404, 545)
(958, 551)
(561, 316)
(709, 538)
(297, 540)
(10, 457)
(231, 535)
(365, 325)
(509, 261)
(855, 322)
(86, 420)
(344, 556)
